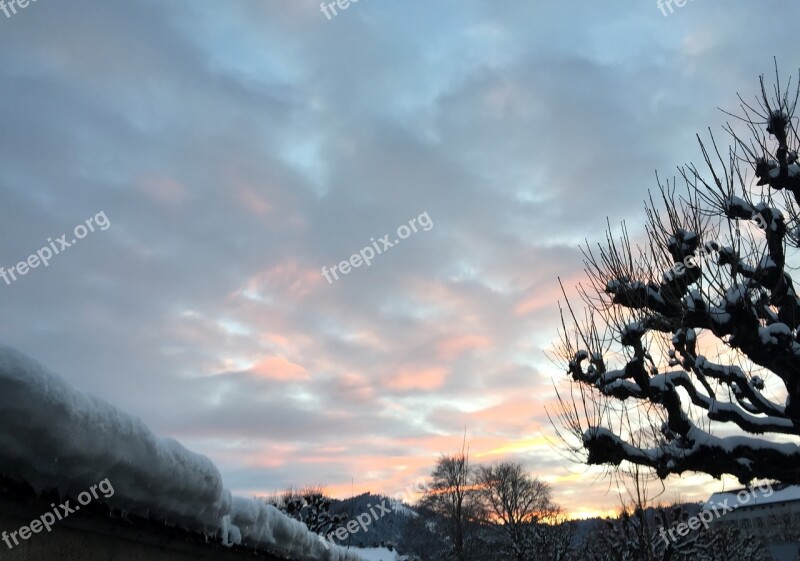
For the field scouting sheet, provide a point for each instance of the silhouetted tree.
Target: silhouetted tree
(697, 328)
(620, 540)
(452, 496)
(311, 507)
(516, 504)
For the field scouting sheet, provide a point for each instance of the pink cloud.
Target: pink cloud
(454, 347)
(163, 190)
(279, 368)
(511, 412)
(356, 387)
(417, 379)
(538, 297)
(286, 280)
(252, 200)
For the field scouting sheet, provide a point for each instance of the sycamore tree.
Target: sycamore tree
(683, 354)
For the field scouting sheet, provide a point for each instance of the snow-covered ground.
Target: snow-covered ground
(376, 554)
(399, 507)
(55, 437)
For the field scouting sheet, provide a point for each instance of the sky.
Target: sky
(233, 149)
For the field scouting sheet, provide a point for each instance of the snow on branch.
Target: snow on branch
(655, 310)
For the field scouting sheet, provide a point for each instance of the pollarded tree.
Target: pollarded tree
(687, 358)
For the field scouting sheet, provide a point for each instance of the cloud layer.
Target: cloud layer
(239, 147)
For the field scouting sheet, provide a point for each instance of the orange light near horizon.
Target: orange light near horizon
(587, 514)
(452, 489)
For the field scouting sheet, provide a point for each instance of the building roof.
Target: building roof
(757, 495)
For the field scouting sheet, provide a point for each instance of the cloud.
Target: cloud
(278, 368)
(418, 379)
(238, 149)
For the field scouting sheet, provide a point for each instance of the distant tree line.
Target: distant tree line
(499, 512)
(487, 513)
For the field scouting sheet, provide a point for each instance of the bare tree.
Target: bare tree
(636, 522)
(452, 496)
(515, 504)
(554, 540)
(695, 329)
(620, 539)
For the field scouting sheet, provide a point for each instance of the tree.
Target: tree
(452, 496)
(617, 540)
(516, 504)
(311, 507)
(636, 524)
(620, 540)
(555, 540)
(420, 541)
(696, 330)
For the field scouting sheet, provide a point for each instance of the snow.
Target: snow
(794, 171)
(693, 299)
(731, 443)
(376, 554)
(759, 495)
(738, 206)
(633, 329)
(736, 293)
(772, 334)
(56, 437)
(400, 508)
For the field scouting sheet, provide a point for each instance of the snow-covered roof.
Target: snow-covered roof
(755, 496)
(53, 436)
